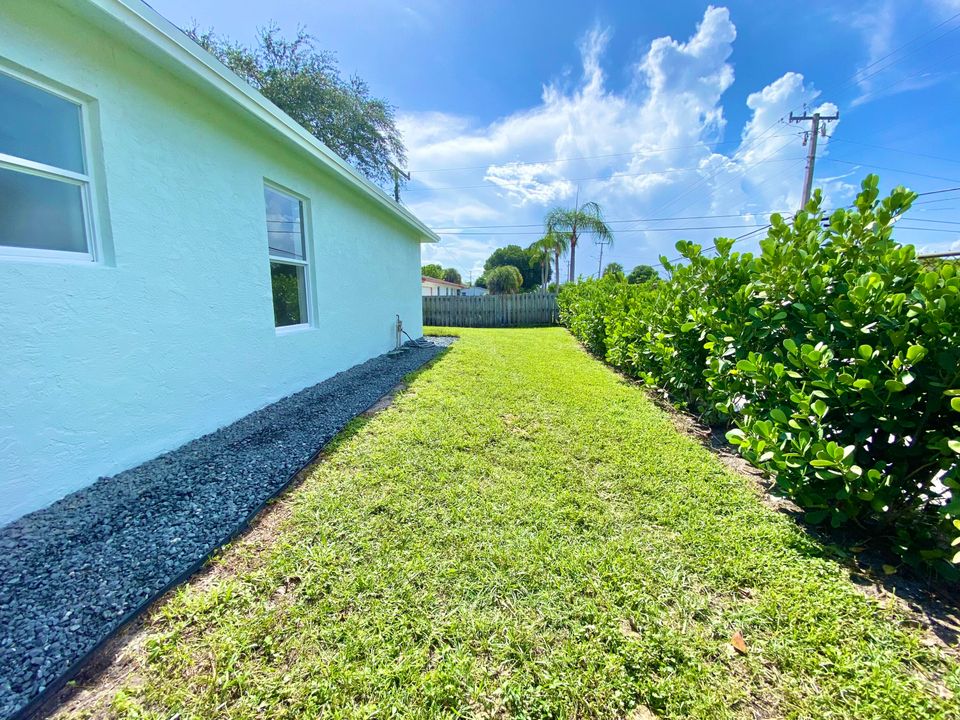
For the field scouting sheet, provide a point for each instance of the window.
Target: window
(289, 267)
(44, 179)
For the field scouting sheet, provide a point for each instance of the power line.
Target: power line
(927, 256)
(857, 77)
(890, 169)
(896, 150)
(613, 176)
(581, 157)
(714, 246)
(921, 71)
(851, 80)
(451, 230)
(764, 227)
(939, 222)
(953, 198)
(662, 229)
(667, 229)
(625, 220)
(861, 78)
(827, 212)
(937, 192)
(722, 168)
(928, 229)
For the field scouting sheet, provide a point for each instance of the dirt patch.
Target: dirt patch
(386, 401)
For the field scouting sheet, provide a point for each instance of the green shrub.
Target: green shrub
(834, 353)
(587, 310)
(504, 280)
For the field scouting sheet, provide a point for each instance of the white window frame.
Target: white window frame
(85, 181)
(284, 260)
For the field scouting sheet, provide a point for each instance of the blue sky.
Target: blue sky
(507, 106)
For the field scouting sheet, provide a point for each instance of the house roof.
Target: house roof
(427, 278)
(162, 40)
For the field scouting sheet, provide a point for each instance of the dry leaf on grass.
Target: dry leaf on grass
(739, 645)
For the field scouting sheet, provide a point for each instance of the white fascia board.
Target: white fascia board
(152, 28)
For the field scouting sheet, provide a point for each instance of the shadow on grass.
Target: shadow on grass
(933, 601)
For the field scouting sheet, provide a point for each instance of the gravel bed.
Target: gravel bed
(72, 573)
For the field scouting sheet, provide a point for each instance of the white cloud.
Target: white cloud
(524, 183)
(878, 25)
(939, 247)
(899, 43)
(648, 151)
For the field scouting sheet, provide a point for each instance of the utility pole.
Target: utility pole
(810, 139)
(601, 243)
(397, 173)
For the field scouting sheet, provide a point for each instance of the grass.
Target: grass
(524, 534)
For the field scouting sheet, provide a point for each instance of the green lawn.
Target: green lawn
(523, 534)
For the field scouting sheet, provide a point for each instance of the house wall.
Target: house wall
(432, 289)
(171, 335)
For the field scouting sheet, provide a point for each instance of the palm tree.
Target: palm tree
(540, 252)
(586, 218)
(558, 244)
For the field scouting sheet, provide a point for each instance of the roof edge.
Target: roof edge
(427, 278)
(152, 27)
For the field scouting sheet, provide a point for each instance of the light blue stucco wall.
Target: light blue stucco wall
(105, 365)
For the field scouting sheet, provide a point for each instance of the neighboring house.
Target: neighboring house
(175, 251)
(432, 287)
(474, 291)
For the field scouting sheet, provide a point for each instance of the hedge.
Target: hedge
(833, 355)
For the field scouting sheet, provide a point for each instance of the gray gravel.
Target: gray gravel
(72, 573)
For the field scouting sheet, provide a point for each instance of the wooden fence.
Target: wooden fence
(524, 310)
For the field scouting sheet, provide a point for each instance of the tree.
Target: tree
(614, 269)
(586, 218)
(520, 259)
(504, 280)
(642, 274)
(306, 84)
(540, 253)
(558, 244)
(452, 275)
(433, 270)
